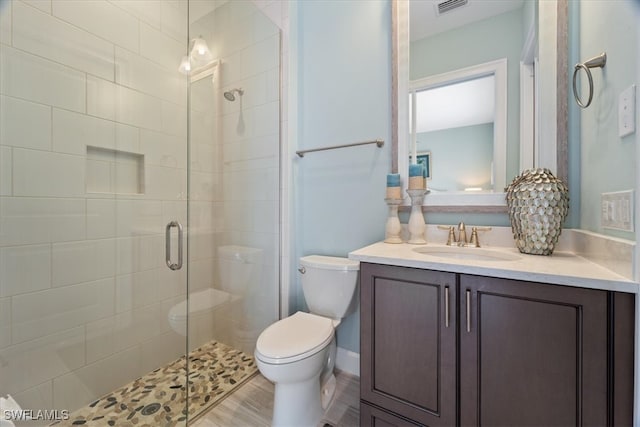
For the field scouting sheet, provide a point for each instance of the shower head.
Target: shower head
(230, 94)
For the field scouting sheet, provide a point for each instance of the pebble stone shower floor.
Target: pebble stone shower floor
(158, 398)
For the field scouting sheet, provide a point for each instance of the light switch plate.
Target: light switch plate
(627, 111)
(617, 210)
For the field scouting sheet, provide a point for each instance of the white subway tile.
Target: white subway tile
(25, 124)
(5, 22)
(6, 170)
(72, 132)
(64, 43)
(127, 138)
(163, 150)
(31, 363)
(102, 98)
(266, 119)
(42, 173)
(54, 310)
(99, 176)
(139, 253)
(231, 72)
(133, 327)
(101, 218)
(203, 186)
(174, 211)
(126, 178)
(114, 102)
(84, 385)
(161, 48)
(162, 350)
(261, 56)
(138, 217)
(24, 269)
(273, 85)
(40, 396)
(85, 261)
(136, 290)
(100, 339)
(206, 157)
(201, 218)
(174, 119)
(30, 77)
(43, 5)
(149, 11)
(144, 75)
(5, 322)
(202, 244)
(266, 23)
(165, 183)
(102, 19)
(26, 221)
(171, 283)
(174, 19)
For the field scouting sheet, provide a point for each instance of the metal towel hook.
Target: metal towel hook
(595, 62)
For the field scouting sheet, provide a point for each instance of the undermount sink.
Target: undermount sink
(467, 253)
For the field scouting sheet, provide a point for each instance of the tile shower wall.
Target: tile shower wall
(93, 163)
(236, 191)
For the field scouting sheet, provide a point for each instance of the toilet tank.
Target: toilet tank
(329, 284)
(239, 268)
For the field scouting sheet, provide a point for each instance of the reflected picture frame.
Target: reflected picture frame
(424, 157)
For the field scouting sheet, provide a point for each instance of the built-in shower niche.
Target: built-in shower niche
(114, 171)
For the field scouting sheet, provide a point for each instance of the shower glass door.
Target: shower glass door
(234, 222)
(93, 166)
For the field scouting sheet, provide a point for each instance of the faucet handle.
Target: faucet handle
(451, 238)
(475, 242)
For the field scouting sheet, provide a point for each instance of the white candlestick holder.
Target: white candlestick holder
(393, 227)
(417, 226)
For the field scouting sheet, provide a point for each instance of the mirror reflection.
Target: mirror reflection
(445, 43)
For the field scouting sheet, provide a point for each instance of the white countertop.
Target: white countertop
(561, 268)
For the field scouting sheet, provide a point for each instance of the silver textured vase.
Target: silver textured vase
(538, 203)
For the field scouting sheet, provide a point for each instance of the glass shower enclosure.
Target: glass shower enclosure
(139, 206)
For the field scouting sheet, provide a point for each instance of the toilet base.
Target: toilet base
(297, 404)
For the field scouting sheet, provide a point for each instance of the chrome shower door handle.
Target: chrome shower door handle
(170, 264)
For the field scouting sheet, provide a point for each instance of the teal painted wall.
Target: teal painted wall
(488, 40)
(460, 157)
(344, 95)
(606, 161)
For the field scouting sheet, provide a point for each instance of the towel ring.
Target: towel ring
(595, 62)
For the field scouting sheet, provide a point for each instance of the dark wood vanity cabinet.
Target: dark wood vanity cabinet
(445, 349)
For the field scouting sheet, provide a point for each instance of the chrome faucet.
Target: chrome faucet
(461, 240)
(462, 235)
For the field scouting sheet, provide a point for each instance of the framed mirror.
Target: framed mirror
(532, 92)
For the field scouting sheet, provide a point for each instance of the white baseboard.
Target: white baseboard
(348, 361)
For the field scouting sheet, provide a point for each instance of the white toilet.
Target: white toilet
(298, 353)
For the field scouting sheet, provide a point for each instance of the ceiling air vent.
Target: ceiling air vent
(449, 5)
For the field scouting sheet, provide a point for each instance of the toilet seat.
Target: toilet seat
(294, 338)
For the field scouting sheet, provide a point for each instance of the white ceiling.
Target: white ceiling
(461, 104)
(424, 21)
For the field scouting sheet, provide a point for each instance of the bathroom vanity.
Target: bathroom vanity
(452, 337)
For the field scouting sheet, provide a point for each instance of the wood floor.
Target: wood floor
(252, 404)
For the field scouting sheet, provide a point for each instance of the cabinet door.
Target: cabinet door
(374, 417)
(532, 354)
(408, 342)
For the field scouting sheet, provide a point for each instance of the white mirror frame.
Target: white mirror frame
(498, 69)
(551, 149)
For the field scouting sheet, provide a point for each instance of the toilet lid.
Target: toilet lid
(295, 336)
